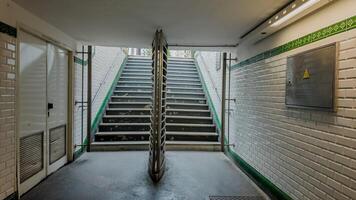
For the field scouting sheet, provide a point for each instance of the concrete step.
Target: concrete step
(146, 119)
(143, 145)
(138, 67)
(185, 94)
(187, 106)
(181, 68)
(185, 81)
(183, 72)
(128, 111)
(143, 71)
(129, 104)
(131, 98)
(185, 69)
(144, 136)
(186, 100)
(182, 76)
(132, 93)
(125, 75)
(175, 119)
(116, 127)
(126, 119)
(133, 88)
(178, 127)
(183, 85)
(138, 79)
(191, 112)
(189, 90)
(169, 71)
(133, 83)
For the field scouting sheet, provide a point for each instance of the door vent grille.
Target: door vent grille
(57, 143)
(31, 156)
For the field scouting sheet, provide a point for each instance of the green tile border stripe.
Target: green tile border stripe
(339, 27)
(266, 185)
(260, 180)
(210, 102)
(99, 114)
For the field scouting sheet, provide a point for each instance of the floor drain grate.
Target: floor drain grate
(235, 198)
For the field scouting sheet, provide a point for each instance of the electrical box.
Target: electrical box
(310, 79)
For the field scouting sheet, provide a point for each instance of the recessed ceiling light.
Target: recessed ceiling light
(295, 12)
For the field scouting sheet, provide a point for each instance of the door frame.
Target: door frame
(70, 98)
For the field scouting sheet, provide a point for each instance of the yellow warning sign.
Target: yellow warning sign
(306, 74)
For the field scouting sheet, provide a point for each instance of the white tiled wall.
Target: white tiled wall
(7, 115)
(307, 154)
(210, 67)
(106, 63)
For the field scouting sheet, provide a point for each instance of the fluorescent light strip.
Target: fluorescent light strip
(295, 12)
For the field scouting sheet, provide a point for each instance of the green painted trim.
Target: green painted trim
(99, 114)
(210, 102)
(339, 27)
(78, 153)
(80, 61)
(265, 184)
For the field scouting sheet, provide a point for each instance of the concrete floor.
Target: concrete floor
(123, 175)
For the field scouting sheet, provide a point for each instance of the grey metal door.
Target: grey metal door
(156, 161)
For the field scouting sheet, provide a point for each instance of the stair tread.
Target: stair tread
(187, 117)
(185, 88)
(148, 116)
(187, 104)
(182, 82)
(129, 103)
(125, 116)
(185, 124)
(129, 109)
(186, 110)
(123, 124)
(147, 133)
(127, 97)
(147, 142)
(132, 91)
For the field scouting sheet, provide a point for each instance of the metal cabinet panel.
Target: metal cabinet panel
(310, 79)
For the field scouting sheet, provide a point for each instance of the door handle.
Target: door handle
(49, 107)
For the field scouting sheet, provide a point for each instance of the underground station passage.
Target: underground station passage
(178, 100)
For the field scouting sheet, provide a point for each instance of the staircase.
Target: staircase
(126, 122)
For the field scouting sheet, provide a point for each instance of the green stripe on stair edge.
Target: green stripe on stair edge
(261, 181)
(99, 114)
(210, 102)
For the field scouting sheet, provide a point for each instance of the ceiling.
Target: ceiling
(132, 23)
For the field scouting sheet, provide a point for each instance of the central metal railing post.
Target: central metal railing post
(156, 163)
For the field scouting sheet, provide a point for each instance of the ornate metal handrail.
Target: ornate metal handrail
(156, 162)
